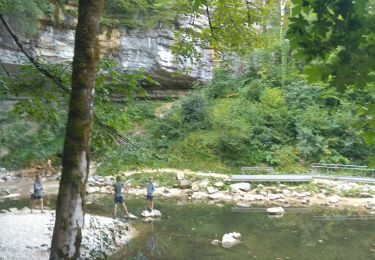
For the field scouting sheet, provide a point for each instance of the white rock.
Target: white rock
(219, 184)
(184, 184)
(215, 242)
(210, 189)
(243, 186)
(243, 205)
(333, 200)
(151, 214)
(204, 183)
(92, 189)
(275, 211)
(180, 176)
(276, 196)
(231, 239)
(131, 216)
(195, 186)
(149, 219)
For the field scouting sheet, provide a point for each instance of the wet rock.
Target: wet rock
(151, 214)
(4, 211)
(131, 216)
(13, 209)
(231, 239)
(275, 211)
(148, 219)
(243, 205)
(242, 186)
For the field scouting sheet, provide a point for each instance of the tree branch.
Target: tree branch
(4, 68)
(210, 22)
(59, 83)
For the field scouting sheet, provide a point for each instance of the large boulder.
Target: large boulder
(231, 239)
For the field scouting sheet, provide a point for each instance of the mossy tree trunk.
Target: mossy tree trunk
(67, 233)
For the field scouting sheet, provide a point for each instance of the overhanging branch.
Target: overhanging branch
(59, 83)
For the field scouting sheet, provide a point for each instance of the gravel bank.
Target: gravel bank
(26, 235)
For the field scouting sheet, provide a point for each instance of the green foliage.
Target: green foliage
(44, 105)
(336, 38)
(25, 14)
(193, 109)
(230, 26)
(250, 120)
(145, 14)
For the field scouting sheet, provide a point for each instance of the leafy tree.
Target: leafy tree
(336, 38)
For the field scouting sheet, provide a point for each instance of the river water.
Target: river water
(186, 230)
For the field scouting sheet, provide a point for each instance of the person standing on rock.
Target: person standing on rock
(37, 194)
(119, 198)
(150, 194)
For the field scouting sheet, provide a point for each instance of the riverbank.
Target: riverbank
(26, 235)
(214, 188)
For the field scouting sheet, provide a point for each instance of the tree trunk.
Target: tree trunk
(283, 43)
(67, 233)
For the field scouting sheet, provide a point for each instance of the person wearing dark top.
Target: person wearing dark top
(119, 198)
(37, 195)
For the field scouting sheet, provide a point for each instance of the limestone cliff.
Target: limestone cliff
(134, 49)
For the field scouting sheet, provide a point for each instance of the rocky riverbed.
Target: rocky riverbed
(26, 235)
(215, 188)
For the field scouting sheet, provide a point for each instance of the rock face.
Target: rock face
(133, 49)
